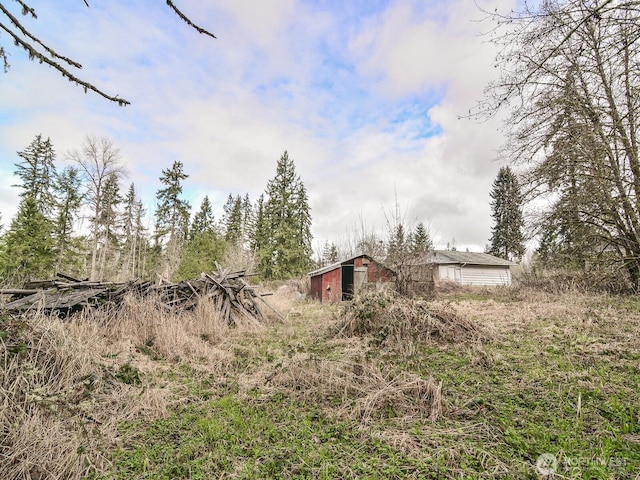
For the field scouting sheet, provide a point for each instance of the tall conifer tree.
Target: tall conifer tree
(507, 240)
(286, 252)
(172, 217)
(68, 197)
(37, 172)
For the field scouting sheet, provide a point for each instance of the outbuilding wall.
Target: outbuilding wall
(328, 286)
(479, 275)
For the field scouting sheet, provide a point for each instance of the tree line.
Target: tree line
(271, 236)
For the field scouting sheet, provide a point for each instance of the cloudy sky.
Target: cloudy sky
(365, 95)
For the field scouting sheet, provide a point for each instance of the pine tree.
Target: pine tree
(397, 247)
(37, 172)
(28, 247)
(203, 220)
(507, 240)
(258, 236)
(247, 221)
(233, 220)
(68, 198)
(329, 253)
(205, 246)
(109, 227)
(134, 239)
(286, 251)
(172, 217)
(420, 241)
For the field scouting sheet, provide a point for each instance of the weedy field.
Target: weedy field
(506, 383)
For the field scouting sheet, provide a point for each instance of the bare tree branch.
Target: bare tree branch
(188, 21)
(24, 31)
(24, 39)
(33, 53)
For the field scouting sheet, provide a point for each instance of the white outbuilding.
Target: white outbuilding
(469, 268)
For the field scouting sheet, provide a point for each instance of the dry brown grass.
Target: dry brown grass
(65, 387)
(359, 389)
(49, 380)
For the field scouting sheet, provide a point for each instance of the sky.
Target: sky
(365, 96)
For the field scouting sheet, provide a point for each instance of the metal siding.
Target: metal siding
(489, 276)
(316, 287)
(449, 273)
(332, 279)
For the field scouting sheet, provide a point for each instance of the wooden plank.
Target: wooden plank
(67, 277)
(25, 302)
(18, 291)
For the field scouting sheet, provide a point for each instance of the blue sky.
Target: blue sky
(364, 95)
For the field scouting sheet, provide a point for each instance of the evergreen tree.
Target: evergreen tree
(37, 172)
(247, 220)
(28, 247)
(109, 227)
(397, 247)
(420, 241)
(203, 220)
(329, 254)
(129, 240)
(233, 220)
(133, 232)
(259, 234)
(205, 246)
(172, 217)
(507, 240)
(68, 197)
(286, 251)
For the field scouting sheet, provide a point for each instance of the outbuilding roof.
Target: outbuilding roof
(333, 266)
(468, 258)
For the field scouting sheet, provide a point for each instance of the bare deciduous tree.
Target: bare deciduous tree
(570, 74)
(99, 162)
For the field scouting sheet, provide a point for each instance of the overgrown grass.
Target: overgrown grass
(475, 385)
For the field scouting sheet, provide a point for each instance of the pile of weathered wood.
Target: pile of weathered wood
(231, 295)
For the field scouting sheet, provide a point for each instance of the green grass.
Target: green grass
(261, 437)
(563, 381)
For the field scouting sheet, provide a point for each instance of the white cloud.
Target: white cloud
(351, 94)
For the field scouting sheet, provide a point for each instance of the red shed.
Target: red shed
(342, 280)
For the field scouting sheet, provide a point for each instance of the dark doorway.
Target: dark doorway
(347, 282)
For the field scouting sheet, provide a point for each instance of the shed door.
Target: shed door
(453, 274)
(359, 278)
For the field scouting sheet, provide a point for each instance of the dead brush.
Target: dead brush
(361, 390)
(63, 395)
(162, 334)
(46, 376)
(401, 324)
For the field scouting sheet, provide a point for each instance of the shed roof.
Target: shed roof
(468, 258)
(333, 266)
